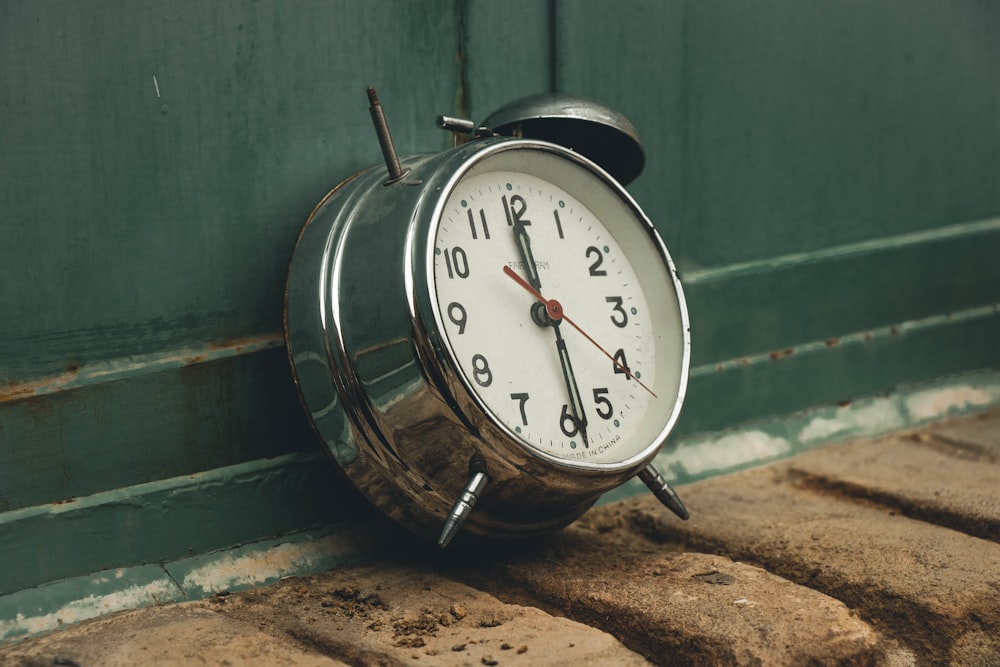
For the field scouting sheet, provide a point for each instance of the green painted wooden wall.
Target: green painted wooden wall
(826, 175)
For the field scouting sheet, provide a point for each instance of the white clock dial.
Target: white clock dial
(594, 384)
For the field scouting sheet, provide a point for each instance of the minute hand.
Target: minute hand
(554, 310)
(576, 403)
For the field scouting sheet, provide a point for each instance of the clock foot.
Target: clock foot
(663, 491)
(467, 499)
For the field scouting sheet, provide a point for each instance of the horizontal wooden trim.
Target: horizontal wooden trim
(173, 518)
(934, 235)
(837, 371)
(188, 537)
(157, 421)
(110, 370)
(853, 338)
(762, 307)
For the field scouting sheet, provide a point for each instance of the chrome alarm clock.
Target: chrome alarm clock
(491, 337)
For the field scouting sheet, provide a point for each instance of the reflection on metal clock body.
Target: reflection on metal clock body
(497, 326)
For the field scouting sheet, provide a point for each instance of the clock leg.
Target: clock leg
(663, 491)
(467, 499)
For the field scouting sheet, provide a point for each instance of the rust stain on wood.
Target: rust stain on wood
(15, 390)
(108, 370)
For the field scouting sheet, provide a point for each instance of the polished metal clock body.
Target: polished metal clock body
(431, 373)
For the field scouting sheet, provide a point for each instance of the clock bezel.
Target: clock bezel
(463, 394)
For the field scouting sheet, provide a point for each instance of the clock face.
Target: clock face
(559, 308)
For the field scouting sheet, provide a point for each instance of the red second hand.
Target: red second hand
(554, 310)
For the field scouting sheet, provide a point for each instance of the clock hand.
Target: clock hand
(554, 310)
(523, 243)
(575, 402)
(524, 250)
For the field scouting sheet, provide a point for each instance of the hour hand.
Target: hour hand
(533, 281)
(523, 242)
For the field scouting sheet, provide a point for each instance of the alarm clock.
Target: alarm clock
(488, 338)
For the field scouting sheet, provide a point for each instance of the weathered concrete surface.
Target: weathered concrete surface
(383, 614)
(685, 608)
(908, 474)
(833, 521)
(976, 437)
(182, 634)
(391, 614)
(675, 608)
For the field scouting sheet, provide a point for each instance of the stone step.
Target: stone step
(894, 528)
(390, 613)
(177, 634)
(671, 607)
(384, 614)
(977, 437)
(914, 476)
(680, 608)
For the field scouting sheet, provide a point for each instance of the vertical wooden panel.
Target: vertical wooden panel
(811, 125)
(508, 52)
(159, 158)
(631, 56)
(817, 170)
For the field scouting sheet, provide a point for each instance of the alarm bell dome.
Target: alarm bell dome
(579, 123)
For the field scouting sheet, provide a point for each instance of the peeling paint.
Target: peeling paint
(708, 454)
(726, 452)
(50, 606)
(934, 403)
(240, 569)
(14, 391)
(88, 607)
(878, 416)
